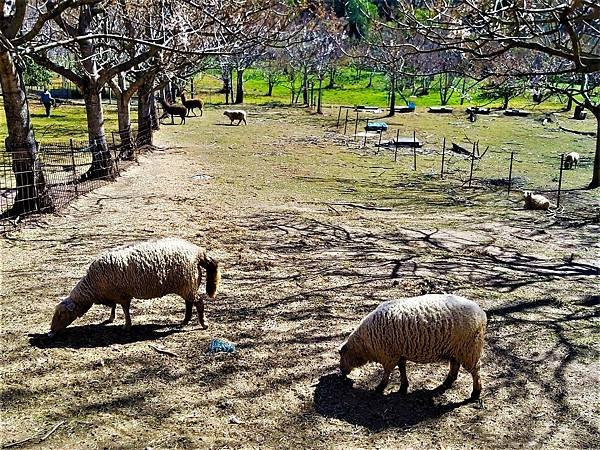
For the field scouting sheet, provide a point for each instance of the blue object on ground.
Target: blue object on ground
(412, 105)
(220, 345)
(376, 126)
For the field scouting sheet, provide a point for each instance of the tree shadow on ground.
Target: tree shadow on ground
(335, 397)
(98, 335)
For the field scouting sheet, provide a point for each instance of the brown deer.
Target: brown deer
(192, 104)
(172, 110)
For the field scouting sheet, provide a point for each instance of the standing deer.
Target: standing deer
(192, 104)
(172, 110)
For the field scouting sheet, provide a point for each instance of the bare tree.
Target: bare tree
(562, 38)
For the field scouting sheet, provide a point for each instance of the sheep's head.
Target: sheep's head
(350, 359)
(64, 314)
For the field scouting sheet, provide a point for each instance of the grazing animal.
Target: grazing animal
(236, 114)
(535, 201)
(145, 270)
(429, 328)
(172, 110)
(192, 104)
(571, 160)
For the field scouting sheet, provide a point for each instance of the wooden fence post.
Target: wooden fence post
(510, 167)
(338, 121)
(356, 125)
(562, 164)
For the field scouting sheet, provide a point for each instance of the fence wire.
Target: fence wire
(60, 173)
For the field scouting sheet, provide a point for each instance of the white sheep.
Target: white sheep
(429, 328)
(236, 114)
(535, 201)
(571, 159)
(145, 270)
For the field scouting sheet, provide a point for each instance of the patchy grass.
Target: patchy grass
(312, 233)
(68, 121)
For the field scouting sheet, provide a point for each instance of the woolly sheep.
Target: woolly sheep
(236, 114)
(429, 328)
(535, 201)
(571, 159)
(145, 270)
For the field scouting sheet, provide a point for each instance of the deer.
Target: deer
(192, 104)
(172, 110)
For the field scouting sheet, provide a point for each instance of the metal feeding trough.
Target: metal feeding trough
(478, 110)
(368, 109)
(440, 110)
(406, 109)
(516, 112)
(376, 126)
(402, 142)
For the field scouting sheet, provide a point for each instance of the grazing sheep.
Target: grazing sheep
(145, 270)
(535, 201)
(571, 159)
(236, 114)
(429, 328)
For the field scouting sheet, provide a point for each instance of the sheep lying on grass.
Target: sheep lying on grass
(422, 329)
(146, 270)
(571, 160)
(535, 201)
(236, 114)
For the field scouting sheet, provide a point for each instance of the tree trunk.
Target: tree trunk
(146, 122)
(596, 169)
(392, 96)
(239, 94)
(270, 85)
(305, 87)
(505, 101)
(32, 193)
(124, 117)
(331, 84)
(370, 79)
(463, 91)
(319, 109)
(569, 104)
(102, 163)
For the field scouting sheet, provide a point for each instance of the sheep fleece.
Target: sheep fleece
(422, 329)
(146, 270)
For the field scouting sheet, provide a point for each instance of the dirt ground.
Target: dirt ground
(312, 235)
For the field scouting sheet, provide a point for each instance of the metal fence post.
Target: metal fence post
(443, 157)
(510, 167)
(414, 150)
(346, 121)
(356, 125)
(338, 121)
(396, 145)
(365, 141)
(472, 162)
(75, 182)
(562, 165)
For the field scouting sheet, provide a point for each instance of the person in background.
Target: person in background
(47, 100)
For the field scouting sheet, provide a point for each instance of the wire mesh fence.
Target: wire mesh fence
(60, 172)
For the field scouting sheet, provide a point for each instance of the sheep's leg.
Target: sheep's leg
(201, 112)
(188, 312)
(125, 307)
(453, 374)
(194, 112)
(385, 379)
(245, 123)
(111, 319)
(476, 383)
(403, 377)
(200, 309)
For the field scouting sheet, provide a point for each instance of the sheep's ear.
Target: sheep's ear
(343, 348)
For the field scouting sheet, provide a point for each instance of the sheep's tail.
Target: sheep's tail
(213, 274)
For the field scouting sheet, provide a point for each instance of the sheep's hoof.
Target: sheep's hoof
(204, 326)
(403, 390)
(379, 390)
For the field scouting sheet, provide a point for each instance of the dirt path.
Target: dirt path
(311, 239)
